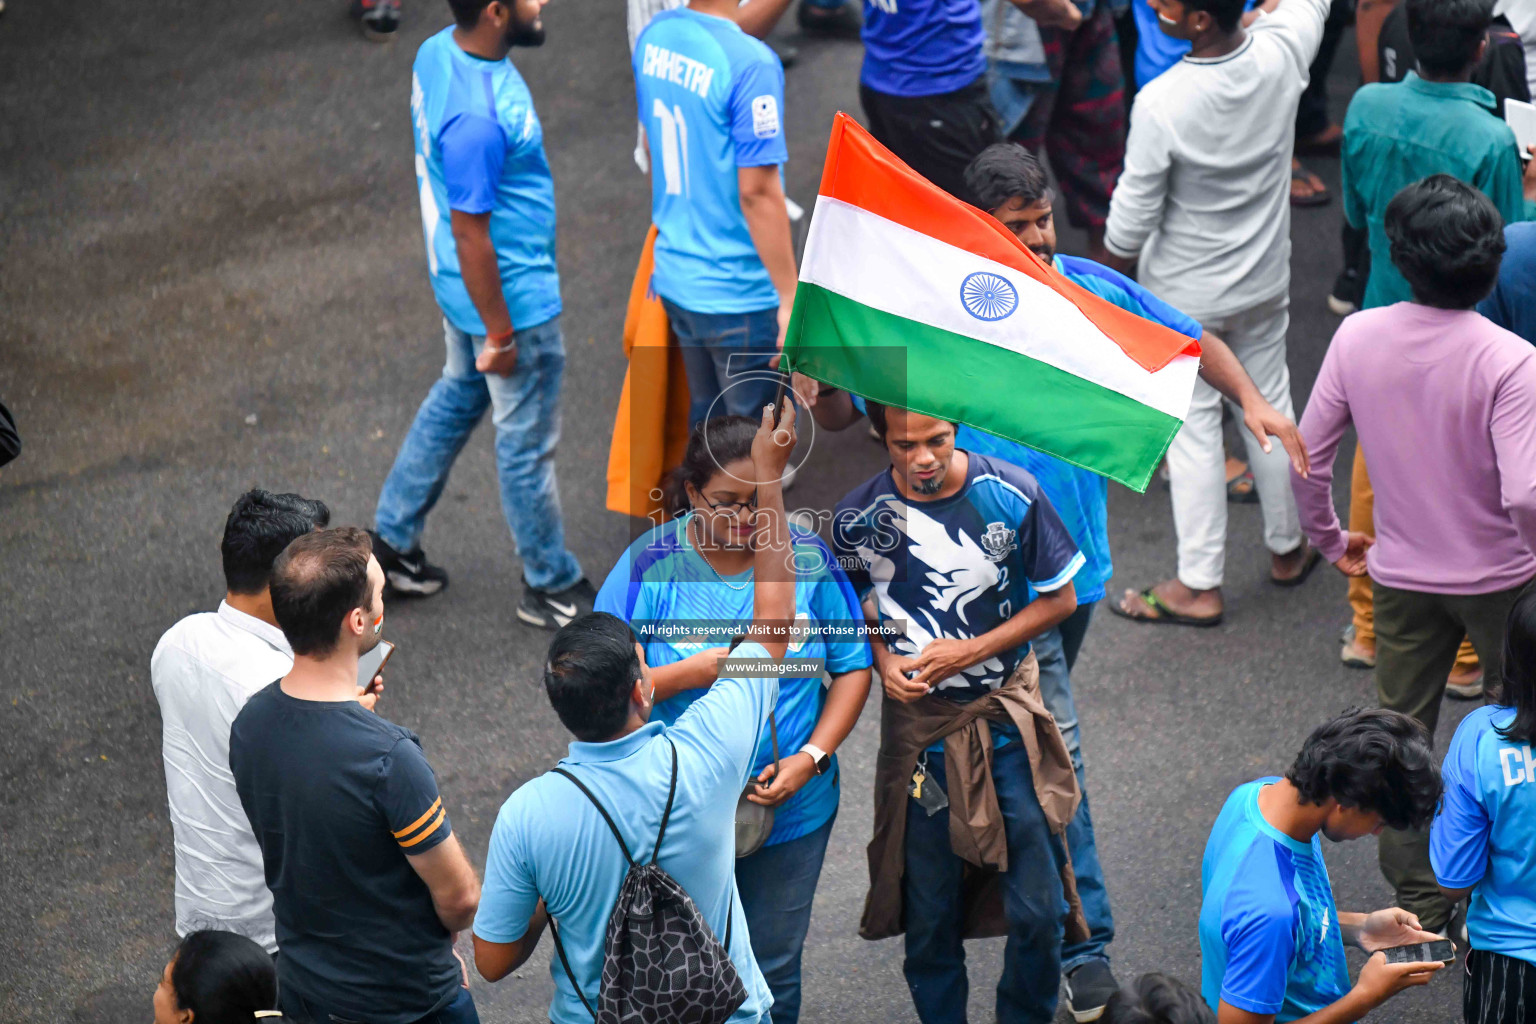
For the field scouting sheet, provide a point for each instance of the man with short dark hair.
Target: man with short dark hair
(488, 214)
(1271, 938)
(1203, 209)
(203, 671)
(1453, 130)
(369, 883)
(963, 556)
(1444, 402)
(551, 853)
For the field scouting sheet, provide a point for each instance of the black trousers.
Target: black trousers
(1498, 989)
(937, 136)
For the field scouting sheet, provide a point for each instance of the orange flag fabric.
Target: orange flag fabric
(650, 429)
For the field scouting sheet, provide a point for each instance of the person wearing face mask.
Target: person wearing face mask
(488, 215)
(695, 572)
(369, 883)
(1203, 212)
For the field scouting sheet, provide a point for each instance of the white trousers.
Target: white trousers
(1197, 459)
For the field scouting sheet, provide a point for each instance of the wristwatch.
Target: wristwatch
(821, 758)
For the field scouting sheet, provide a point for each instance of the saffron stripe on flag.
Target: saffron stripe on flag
(951, 376)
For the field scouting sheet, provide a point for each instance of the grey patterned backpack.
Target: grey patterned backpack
(661, 962)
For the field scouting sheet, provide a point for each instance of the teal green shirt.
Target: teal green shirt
(1402, 132)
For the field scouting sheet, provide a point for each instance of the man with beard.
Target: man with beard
(369, 883)
(488, 213)
(711, 103)
(962, 559)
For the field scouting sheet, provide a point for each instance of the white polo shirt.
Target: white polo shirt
(204, 670)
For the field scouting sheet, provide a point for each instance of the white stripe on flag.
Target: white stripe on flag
(890, 267)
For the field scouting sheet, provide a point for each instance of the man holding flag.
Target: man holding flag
(1011, 184)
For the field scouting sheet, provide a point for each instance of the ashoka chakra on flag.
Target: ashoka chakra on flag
(988, 333)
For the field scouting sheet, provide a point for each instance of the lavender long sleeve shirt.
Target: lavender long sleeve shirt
(1444, 404)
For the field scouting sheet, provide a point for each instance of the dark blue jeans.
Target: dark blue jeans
(726, 356)
(1032, 901)
(777, 885)
(1056, 649)
(460, 1011)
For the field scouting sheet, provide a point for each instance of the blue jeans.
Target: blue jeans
(525, 409)
(777, 885)
(461, 1010)
(1032, 902)
(1055, 650)
(726, 356)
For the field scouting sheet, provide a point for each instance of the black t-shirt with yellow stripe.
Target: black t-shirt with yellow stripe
(339, 798)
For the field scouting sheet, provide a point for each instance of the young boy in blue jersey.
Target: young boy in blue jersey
(711, 101)
(964, 561)
(1483, 842)
(488, 213)
(1271, 939)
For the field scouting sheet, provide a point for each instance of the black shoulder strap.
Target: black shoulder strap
(666, 814)
(560, 948)
(604, 811)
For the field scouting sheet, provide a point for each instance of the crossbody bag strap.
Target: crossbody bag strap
(560, 948)
(604, 811)
(666, 815)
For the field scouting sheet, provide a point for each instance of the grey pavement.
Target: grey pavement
(213, 278)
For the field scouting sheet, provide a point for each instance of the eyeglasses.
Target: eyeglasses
(734, 508)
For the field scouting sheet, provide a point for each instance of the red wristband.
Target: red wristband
(497, 339)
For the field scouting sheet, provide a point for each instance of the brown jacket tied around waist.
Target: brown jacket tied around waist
(976, 832)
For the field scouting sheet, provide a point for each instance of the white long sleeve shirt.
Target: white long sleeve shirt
(1205, 197)
(204, 669)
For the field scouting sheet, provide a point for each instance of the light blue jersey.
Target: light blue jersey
(711, 99)
(663, 587)
(549, 842)
(480, 149)
(1485, 833)
(1269, 930)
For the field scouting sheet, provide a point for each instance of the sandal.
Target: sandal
(1315, 194)
(1165, 615)
(1241, 489)
(1313, 559)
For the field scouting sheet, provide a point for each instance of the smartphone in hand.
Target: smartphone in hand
(372, 663)
(1421, 952)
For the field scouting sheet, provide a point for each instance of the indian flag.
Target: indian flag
(914, 299)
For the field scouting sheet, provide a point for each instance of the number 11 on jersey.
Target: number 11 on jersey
(674, 147)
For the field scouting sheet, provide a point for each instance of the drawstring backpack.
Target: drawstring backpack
(661, 962)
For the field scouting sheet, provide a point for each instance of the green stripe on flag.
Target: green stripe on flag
(850, 345)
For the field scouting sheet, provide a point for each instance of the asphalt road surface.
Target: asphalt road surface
(213, 278)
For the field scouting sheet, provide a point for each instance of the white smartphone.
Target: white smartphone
(372, 663)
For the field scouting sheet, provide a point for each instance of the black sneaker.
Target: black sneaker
(378, 19)
(1347, 293)
(1088, 990)
(835, 22)
(551, 609)
(410, 574)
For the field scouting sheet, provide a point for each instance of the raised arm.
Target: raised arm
(773, 570)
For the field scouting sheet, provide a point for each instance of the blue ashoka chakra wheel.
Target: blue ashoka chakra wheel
(987, 296)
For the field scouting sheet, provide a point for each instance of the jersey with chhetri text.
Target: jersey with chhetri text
(480, 149)
(711, 99)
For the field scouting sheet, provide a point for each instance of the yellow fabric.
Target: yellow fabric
(650, 429)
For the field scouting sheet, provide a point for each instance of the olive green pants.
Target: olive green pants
(1417, 635)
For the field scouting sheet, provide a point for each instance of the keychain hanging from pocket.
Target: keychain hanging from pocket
(925, 789)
